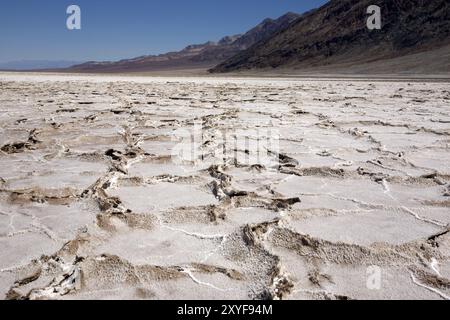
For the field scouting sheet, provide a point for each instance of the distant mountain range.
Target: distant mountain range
(415, 37)
(36, 64)
(203, 56)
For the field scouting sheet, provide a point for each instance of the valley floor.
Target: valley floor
(204, 188)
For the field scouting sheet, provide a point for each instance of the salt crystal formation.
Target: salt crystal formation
(94, 206)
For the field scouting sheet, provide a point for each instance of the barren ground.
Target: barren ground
(93, 205)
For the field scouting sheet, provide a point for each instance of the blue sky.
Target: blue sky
(112, 29)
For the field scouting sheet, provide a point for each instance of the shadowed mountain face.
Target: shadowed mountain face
(337, 34)
(204, 55)
(265, 30)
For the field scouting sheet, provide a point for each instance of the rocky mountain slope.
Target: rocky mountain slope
(204, 55)
(337, 35)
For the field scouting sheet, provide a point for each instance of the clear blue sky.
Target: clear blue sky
(113, 29)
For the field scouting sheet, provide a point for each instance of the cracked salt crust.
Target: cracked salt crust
(93, 207)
